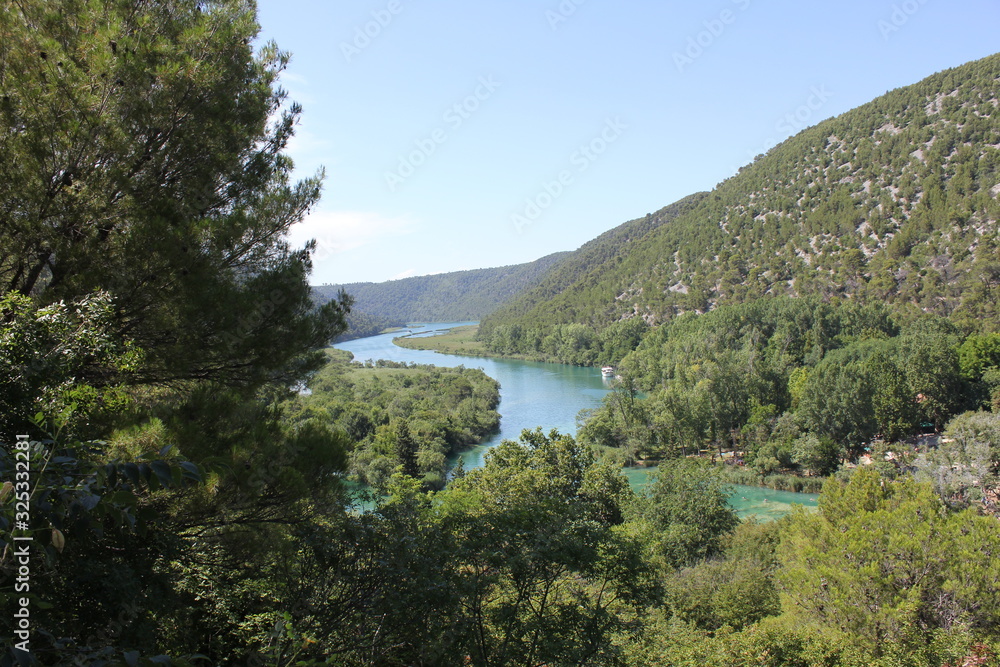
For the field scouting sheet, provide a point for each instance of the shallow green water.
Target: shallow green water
(748, 501)
(531, 393)
(548, 395)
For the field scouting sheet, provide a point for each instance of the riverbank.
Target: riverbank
(400, 413)
(744, 476)
(532, 393)
(460, 341)
(777, 482)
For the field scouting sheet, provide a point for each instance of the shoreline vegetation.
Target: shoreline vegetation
(789, 480)
(417, 414)
(461, 341)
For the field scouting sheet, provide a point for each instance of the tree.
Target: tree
(736, 590)
(837, 400)
(689, 507)
(885, 562)
(144, 265)
(979, 360)
(821, 456)
(965, 466)
(144, 158)
(406, 449)
(548, 567)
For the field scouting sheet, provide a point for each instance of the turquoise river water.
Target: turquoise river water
(549, 395)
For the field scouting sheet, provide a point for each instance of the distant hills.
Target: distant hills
(446, 297)
(895, 201)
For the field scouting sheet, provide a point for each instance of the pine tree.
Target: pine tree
(406, 449)
(143, 150)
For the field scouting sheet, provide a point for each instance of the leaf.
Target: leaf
(162, 471)
(6, 491)
(191, 471)
(58, 540)
(122, 498)
(131, 471)
(89, 501)
(109, 475)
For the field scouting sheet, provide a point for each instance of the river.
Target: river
(548, 395)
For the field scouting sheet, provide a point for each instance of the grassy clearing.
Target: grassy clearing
(460, 340)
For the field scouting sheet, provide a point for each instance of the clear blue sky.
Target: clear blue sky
(666, 98)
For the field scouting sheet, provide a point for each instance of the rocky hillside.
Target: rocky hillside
(894, 201)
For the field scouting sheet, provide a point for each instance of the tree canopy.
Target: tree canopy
(144, 158)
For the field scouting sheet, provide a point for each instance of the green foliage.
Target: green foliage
(884, 387)
(979, 360)
(964, 468)
(148, 295)
(819, 455)
(149, 298)
(885, 562)
(979, 354)
(688, 505)
(145, 163)
(61, 358)
(400, 414)
(360, 324)
(722, 593)
(548, 566)
(795, 384)
(94, 524)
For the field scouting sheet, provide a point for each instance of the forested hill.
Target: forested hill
(456, 296)
(895, 201)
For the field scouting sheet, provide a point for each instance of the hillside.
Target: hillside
(446, 297)
(894, 201)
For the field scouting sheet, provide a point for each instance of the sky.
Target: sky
(479, 133)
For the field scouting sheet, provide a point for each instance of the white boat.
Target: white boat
(608, 371)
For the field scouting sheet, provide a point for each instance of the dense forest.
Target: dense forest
(170, 497)
(459, 296)
(392, 412)
(895, 201)
(795, 384)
